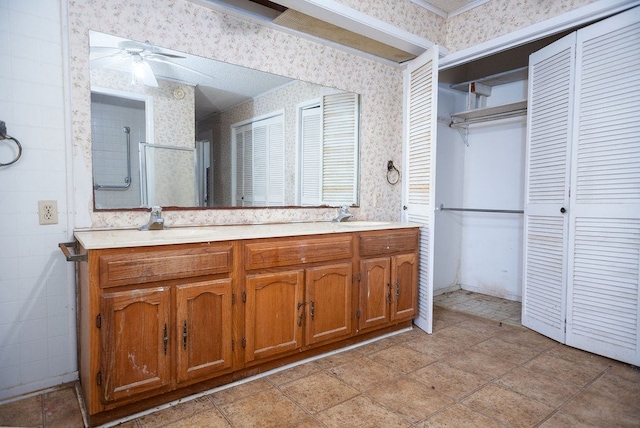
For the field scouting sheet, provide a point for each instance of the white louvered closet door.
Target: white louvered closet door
(603, 299)
(340, 148)
(420, 113)
(547, 172)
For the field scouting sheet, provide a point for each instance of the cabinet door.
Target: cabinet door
(404, 274)
(203, 333)
(273, 314)
(135, 341)
(328, 296)
(375, 291)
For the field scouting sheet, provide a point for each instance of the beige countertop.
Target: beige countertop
(120, 238)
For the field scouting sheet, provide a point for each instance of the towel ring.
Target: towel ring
(6, 137)
(393, 175)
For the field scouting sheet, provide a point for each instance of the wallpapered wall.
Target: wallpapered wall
(184, 26)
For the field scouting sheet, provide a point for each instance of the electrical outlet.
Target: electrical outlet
(48, 212)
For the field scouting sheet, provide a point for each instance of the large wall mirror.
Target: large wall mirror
(182, 131)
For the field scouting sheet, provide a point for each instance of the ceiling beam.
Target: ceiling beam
(358, 22)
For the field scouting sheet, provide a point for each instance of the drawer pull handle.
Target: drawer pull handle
(313, 310)
(397, 290)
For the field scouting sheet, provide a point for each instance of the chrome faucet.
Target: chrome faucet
(343, 214)
(156, 222)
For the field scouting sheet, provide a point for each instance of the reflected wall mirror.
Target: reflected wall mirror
(182, 131)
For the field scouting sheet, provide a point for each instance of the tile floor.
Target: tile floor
(472, 371)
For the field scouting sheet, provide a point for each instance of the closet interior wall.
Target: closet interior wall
(478, 251)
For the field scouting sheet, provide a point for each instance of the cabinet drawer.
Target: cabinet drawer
(267, 254)
(139, 267)
(388, 241)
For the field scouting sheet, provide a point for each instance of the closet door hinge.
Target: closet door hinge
(244, 342)
(244, 296)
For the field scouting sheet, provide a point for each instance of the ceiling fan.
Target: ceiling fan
(137, 57)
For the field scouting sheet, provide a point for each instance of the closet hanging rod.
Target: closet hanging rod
(505, 115)
(480, 210)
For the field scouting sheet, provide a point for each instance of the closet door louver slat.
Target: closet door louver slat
(603, 297)
(549, 118)
(420, 86)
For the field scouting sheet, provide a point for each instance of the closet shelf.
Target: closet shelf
(484, 114)
(495, 79)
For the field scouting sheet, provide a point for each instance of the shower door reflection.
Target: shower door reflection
(168, 175)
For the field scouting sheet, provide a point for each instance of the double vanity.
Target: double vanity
(167, 313)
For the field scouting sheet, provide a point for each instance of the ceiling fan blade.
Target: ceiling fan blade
(103, 49)
(168, 55)
(152, 57)
(143, 70)
(107, 61)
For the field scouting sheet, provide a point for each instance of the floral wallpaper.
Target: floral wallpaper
(185, 26)
(499, 17)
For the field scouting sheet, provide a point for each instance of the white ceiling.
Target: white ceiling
(448, 8)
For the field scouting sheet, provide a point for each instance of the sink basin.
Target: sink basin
(356, 223)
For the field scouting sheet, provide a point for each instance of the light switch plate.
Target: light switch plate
(48, 212)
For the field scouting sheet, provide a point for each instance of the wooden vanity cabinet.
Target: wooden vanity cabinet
(157, 323)
(298, 293)
(154, 319)
(388, 277)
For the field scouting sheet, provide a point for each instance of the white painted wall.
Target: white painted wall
(450, 152)
(37, 291)
(491, 171)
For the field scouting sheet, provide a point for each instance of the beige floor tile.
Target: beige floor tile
(434, 345)
(580, 357)
(232, 394)
(318, 391)
(545, 389)
(23, 413)
(525, 337)
(339, 358)
(479, 363)
(459, 416)
(268, 408)
(450, 381)
(564, 370)
(360, 412)
(508, 407)
(451, 317)
(175, 413)
(211, 418)
(363, 373)
(462, 336)
(409, 398)
(487, 327)
(402, 359)
(378, 345)
(620, 382)
(498, 348)
(294, 373)
(598, 410)
(62, 409)
(565, 420)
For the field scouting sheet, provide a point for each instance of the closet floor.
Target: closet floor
(472, 371)
(482, 305)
